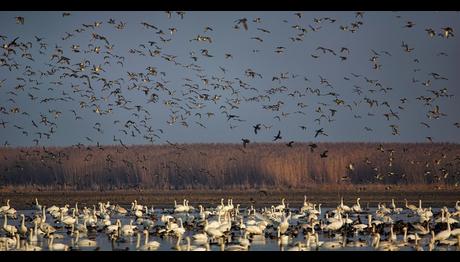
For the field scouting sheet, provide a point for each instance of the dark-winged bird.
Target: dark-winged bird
(278, 136)
(256, 127)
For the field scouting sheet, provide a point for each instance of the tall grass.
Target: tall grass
(228, 166)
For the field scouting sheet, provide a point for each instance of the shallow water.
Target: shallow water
(259, 243)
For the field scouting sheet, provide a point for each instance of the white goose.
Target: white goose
(84, 242)
(33, 235)
(306, 205)
(211, 231)
(3, 209)
(27, 246)
(393, 237)
(384, 245)
(343, 207)
(254, 230)
(334, 225)
(180, 247)
(283, 240)
(455, 232)
(177, 229)
(10, 229)
(148, 246)
(419, 209)
(138, 213)
(113, 228)
(410, 237)
(221, 206)
(357, 207)
(417, 247)
(120, 210)
(52, 208)
(443, 235)
(315, 211)
(7, 242)
(68, 220)
(284, 225)
(282, 206)
(37, 205)
(56, 246)
(411, 207)
(128, 230)
(362, 226)
(422, 230)
(396, 210)
(136, 206)
(180, 208)
(200, 238)
(23, 228)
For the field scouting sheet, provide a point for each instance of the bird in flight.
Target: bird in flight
(324, 154)
(278, 136)
(256, 128)
(447, 32)
(243, 21)
(320, 131)
(19, 20)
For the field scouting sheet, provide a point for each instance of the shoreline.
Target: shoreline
(260, 198)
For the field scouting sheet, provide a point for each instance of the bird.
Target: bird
(409, 24)
(447, 32)
(320, 131)
(243, 21)
(351, 167)
(312, 147)
(256, 128)
(430, 32)
(278, 136)
(324, 154)
(245, 142)
(19, 20)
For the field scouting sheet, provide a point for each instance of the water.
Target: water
(268, 242)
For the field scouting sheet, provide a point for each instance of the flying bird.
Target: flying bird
(19, 20)
(320, 131)
(256, 128)
(243, 21)
(324, 154)
(245, 142)
(278, 136)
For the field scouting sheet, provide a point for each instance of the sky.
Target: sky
(400, 75)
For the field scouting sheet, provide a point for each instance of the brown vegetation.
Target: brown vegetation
(229, 166)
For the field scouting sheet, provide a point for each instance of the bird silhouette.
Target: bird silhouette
(278, 136)
(245, 142)
(256, 128)
(324, 154)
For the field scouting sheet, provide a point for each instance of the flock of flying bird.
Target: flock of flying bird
(228, 227)
(77, 75)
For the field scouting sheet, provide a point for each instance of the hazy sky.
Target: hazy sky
(379, 31)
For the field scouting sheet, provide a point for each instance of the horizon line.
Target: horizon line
(230, 143)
